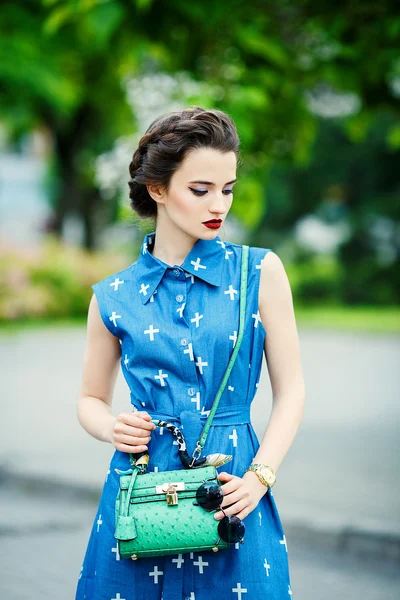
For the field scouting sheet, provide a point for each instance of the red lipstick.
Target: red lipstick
(213, 223)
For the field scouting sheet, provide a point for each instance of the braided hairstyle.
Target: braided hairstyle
(166, 143)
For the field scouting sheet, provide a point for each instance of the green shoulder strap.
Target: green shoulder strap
(243, 294)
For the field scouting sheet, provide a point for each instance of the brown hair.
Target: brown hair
(166, 143)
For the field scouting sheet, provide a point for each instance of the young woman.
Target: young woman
(171, 319)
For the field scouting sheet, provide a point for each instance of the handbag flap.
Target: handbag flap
(145, 485)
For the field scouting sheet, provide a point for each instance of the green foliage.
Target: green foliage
(54, 281)
(63, 64)
(319, 279)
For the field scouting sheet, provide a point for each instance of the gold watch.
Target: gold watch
(264, 473)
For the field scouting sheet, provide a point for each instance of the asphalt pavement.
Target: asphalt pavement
(337, 490)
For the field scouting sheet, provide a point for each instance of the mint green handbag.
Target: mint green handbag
(168, 512)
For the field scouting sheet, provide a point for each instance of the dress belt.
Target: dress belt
(227, 415)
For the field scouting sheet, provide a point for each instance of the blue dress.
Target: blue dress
(177, 327)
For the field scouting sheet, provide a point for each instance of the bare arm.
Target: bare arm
(100, 370)
(282, 352)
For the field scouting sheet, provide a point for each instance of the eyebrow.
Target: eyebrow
(212, 183)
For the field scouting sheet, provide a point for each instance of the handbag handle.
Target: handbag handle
(141, 458)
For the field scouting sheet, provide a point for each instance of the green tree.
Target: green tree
(63, 63)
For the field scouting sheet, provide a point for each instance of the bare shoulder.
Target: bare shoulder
(274, 282)
(275, 301)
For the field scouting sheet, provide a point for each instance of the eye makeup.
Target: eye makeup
(202, 192)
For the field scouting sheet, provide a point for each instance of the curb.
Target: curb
(352, 541)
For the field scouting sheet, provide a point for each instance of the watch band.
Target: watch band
(256, 468)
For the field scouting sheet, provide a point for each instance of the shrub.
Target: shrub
(52, 281)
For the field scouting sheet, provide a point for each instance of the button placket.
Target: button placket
(184, 333)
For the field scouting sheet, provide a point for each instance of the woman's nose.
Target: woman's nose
(218, 204)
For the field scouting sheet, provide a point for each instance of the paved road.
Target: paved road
(341, 470)
(338, 486)
(42, 551)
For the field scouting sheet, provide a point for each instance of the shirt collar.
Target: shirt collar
(205, 261)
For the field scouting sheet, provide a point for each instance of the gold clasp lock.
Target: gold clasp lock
(170, 489)
(171, 496)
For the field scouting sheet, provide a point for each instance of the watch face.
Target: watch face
(266, 473)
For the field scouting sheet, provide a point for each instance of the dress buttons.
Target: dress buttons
(179, 297)
(176, 272)
(191, 391)
(184, 342)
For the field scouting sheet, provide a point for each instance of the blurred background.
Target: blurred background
(314, 89)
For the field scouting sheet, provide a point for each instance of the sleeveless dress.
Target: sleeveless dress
(177, 327)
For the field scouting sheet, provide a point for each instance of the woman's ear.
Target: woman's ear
(157, 192)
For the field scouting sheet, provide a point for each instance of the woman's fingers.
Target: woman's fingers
(132, 440)
(130, 449)
(132, 430)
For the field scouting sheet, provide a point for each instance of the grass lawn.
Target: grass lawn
(368, 319)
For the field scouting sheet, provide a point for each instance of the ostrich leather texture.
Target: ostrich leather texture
(148, 526)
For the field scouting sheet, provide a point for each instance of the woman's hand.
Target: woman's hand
(241, 494)
(132, 431)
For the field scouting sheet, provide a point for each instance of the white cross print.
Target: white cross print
(196, 319)
(144, 248)
(114, 318)
(197, 400)
(99, 522)
(231, 292)
(143, 289)
(161, 376)
(233, 338)
(227, 253)
(178, 561)
(151, 331)
(239, 590)
(126, 361)
(192, 597)
(283, 541)
(152, 296)
(196, 264)
(116, 283)
(260, 265)
(221, 243)
(201, 364)
(266, 567)
(189, 350)
(116, 550)
(205, 412)
(156, 573)
(200, 563)
(108, 472)
(190, 275)
(257, 319)
(118, 597)
(231, 388)
(290, 591)
(180, 309)
(234, 438)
